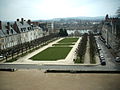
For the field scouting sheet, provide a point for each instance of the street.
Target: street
(110, 60)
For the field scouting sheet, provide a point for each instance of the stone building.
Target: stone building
(111, 32)
(18, 32)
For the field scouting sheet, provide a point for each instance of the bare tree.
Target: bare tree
(118, 12)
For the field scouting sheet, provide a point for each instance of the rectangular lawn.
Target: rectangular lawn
(68, 40)
(63, 44)
(52, 54)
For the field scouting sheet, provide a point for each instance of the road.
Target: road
(110, 61)
(60, 67)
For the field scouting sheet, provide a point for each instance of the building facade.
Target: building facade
(111, 32)
(19, 32)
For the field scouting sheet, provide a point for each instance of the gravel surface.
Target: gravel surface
(38, 80)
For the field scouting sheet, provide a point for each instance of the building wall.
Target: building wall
(109, 32)
(25, 32)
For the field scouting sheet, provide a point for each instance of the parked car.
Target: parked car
(1, 56)
(102, 58)
(103, 62)
(117, 59)
(108, 46)
(98, 46)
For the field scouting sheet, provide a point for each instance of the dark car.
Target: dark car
(103, 62)
(108, 46)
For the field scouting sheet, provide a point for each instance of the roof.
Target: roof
(23, 27)
(5, 31)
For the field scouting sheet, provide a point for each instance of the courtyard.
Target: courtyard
(61, 51)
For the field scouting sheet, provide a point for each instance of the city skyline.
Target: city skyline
(49, 9)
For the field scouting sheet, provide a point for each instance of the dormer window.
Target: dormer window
(7, 31)
(21, 29)
(28, 28)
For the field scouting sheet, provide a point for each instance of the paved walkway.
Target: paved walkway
(72, 55)
(87, 54)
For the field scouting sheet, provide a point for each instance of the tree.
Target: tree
(81, 49)
(63, 32)
(118, 12)
(93, 48)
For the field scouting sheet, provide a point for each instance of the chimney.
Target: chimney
(17, 20)
(22, 20)
(15, 27)
(107, 17)
(29, 22)
(8, 25)
(0, 24)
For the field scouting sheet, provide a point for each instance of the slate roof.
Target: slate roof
(23, 27)
(5, 31)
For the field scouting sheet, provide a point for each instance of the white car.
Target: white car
(117, 59)
(1, 56)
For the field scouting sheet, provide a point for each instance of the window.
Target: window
(21, 29)
(11, 31)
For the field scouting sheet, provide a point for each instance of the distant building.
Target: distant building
(50, 27)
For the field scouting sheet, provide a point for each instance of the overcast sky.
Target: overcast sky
(48, 9)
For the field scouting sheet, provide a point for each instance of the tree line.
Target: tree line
(81, 50)
(24, 47)
(93, 48)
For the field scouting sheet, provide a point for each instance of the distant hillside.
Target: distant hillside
(81, 18)
(68, 18)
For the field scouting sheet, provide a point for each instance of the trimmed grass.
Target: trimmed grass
(52, 54)
(64, 44)
(68, 40)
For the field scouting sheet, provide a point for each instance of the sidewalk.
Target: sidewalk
(87, 56)
(87, 53)
(72, 55)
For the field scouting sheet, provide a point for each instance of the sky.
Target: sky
(48, 9)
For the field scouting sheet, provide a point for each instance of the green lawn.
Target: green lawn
(63, 44)
(68, 40)
(52, 54)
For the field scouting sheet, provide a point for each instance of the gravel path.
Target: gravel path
(87, 54)
(37, 80)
